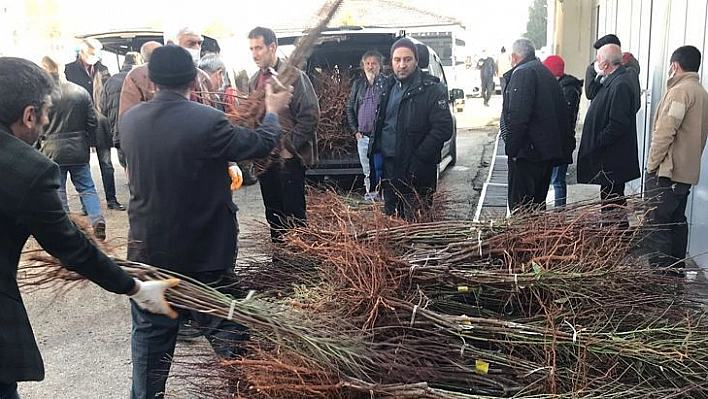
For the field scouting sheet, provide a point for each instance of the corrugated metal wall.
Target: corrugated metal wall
(652, 30)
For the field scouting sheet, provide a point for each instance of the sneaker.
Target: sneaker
(116, 206)
(99, 230)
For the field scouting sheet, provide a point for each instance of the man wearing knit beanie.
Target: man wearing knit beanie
(181, 215)
(405, 43)
(571, 88)
(413, 121)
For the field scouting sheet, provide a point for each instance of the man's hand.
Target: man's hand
(275, 102)
(151, 296)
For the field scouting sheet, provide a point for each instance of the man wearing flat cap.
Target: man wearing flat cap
(181, 216)
(594, 78)
(413, 121)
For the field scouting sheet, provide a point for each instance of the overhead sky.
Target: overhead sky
(489, 22)
(503, 20)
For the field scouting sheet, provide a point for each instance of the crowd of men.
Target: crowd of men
(165, 113)
(540, 109)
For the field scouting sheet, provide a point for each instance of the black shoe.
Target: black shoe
(99, 230)
(116, 206)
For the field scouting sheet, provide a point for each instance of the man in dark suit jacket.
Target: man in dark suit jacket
(180, 212)
(30, 205)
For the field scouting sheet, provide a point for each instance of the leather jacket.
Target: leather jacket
(71, 120)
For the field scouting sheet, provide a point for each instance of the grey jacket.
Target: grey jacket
(305, 114)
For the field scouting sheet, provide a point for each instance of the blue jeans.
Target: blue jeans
(560, 189)
(362, 146)
(154, 337)
(81, 178)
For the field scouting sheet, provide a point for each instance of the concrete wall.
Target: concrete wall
(651, 30)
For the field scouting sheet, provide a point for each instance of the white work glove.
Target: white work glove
(151, 296)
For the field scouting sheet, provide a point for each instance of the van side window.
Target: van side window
(436, 70)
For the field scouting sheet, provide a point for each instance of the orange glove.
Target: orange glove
(151, 296)
(236, 176)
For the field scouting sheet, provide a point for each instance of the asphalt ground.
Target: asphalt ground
(84, 334)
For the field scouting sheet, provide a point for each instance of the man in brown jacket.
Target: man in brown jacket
(138, 88)
(678, 139)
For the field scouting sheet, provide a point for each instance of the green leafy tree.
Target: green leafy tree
(537, 25)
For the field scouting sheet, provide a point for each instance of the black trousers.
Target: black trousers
(487, 89)
(612, 199)
(8, 391)
(283, 191)
(528, 183)
(410, 196)
(107, 173)
(667, 239)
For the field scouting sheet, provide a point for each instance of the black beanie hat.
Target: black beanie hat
(607, 39)
(171, 66)
(407, 43)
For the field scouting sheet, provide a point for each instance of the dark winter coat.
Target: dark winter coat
(572, 89)
(76, 73)
(181, 214)
(305, 112)
(30, 205)
(72, 120)
(608, 148)
(535, 115)
(110, 102)
(356, 98)
(423, 126)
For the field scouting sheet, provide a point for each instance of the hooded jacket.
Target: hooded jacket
(424, 124)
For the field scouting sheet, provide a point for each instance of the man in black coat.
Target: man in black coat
(87, 66)
(30, 205)
(535, 127)
(88, 72)
(110, 99)
(413, 121)
(180, 212)
(608, 153)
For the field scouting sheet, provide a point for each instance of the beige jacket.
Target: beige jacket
(680, 130)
